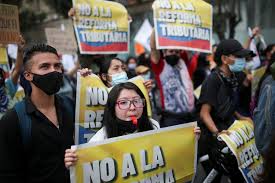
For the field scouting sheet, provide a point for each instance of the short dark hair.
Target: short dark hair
(37, 48)
(110, 119)
(269, 48)
(130, 58)
(218, 59)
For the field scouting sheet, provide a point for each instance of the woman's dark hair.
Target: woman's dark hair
(104, 67)
(218, 58)
(267, 73)
(110, 119)
(144, 59)
(129, 58)
(269, 48)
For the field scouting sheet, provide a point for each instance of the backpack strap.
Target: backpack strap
(24, 122)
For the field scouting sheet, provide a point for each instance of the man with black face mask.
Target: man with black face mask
(34, 153)
(175, 84)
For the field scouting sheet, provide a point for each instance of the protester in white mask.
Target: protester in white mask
(113, 72)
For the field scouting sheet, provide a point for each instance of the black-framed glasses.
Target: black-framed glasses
(126, 104)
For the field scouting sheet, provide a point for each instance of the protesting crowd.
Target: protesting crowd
(176, 107)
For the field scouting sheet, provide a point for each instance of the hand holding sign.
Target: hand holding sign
(165, 155)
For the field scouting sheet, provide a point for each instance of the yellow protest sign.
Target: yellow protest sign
(164, 155)
(91, 97)
(257, 75)
(101, 27)
(20, 94)
(139, 82)
(3, 56)
(183, 24)
(241, 142)
(197, 92)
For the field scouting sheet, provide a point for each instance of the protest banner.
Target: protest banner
(9, 24)
(183, 24)
(164, 155)
(3, 56)
(63, 40)
(241, 142)
(257, 75)
(91, 97)
(101, 27)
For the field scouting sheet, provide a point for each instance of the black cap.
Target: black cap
(252, 54)
(232, 46)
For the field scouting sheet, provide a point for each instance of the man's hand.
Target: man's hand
(21, 43)
(85, 72)
(72, 12)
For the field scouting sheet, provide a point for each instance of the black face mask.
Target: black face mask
(49, 83)
(125, 127)
(172, 59)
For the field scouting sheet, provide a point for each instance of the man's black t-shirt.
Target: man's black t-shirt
(221, 97)
(43, 161)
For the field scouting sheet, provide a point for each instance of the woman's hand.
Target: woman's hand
(85, 72)
(70, 158)
(197, 132)
(72, 12)
(148, 85)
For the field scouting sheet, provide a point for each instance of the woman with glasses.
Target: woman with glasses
(125, 103)
(125, 113)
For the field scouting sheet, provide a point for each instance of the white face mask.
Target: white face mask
(132, 66)
(146, 76)
(119, 78)
(238, 66)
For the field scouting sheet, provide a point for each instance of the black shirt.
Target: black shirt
(220, 96)
(43, 159)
